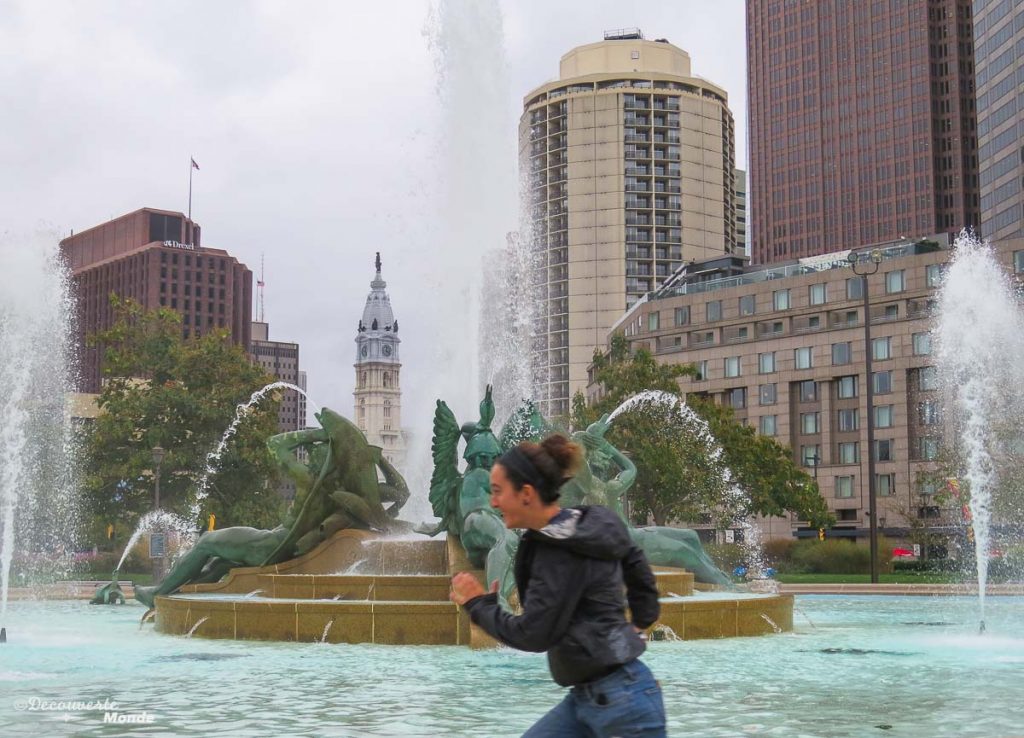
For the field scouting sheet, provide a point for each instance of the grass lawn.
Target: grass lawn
(900, 578)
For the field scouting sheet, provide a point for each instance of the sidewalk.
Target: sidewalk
(901, 589)
(71, 590)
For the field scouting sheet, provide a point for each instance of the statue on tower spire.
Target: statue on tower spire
(378, 262)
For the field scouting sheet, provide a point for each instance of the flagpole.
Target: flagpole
(191, 166)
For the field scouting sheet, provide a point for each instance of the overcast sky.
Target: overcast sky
(319, 130)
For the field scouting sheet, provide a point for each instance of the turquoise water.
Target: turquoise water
(855, 666)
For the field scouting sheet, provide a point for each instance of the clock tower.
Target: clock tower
(378, 393)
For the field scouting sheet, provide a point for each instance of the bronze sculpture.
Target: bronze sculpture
(463, 500)
(606, 477)
(337, 487)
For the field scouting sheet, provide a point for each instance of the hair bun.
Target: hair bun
(566, 454)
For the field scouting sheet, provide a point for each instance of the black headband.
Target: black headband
(518, 462)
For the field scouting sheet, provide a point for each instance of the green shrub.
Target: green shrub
(778, 553)
(834, 556)
(727, 556)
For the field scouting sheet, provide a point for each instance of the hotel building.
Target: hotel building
(154, 257)
(784, 347)
(628, 164)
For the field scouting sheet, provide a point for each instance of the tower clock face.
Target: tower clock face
(386, 350)
(364, 351)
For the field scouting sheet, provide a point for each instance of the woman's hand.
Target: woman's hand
(465, 587)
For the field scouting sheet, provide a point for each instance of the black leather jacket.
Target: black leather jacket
(571, 576)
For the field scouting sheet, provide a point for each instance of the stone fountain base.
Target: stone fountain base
(359, 588)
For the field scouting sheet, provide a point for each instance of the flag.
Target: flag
(260, 283)
(194, 165)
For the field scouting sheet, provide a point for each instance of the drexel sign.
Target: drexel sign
(179, 245)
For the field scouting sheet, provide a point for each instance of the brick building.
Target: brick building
(784, 347)
(154, 257)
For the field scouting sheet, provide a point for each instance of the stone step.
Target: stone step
(375, 587)
(399, 623)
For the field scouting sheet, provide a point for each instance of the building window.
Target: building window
(766, 363)
(803, 358)
(747, 305)
(780, 299)
(881, 348)
(846, 387)
(808, 391)
(922, 344)
(884, 450)
(882, 382)
(653, 321)
(713, 310)
(732, 367)
(809, 455)
(849, 420)
(1018, 261)
(928, 448)
(842, 353)
(844, 487)
(809, 423)
(768, 425)
(883, 416)
(849, 453)
(894, 281)
(928, 378)
(818, 294)
(767, 394)
(933, 274)
(738, 398)
(702, 369)
(884, 484)
(928, 412)
(927, 487)
(682, 315)
(854, 288)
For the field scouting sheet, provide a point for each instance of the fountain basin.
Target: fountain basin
(916, 664)
(386, 591)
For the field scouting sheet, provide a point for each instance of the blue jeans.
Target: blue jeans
(623, 704)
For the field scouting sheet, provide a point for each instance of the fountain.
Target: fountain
(980, 346)
(37, 518)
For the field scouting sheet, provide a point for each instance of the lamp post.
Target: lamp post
(158, 458)
(817, 460)
(864, 267)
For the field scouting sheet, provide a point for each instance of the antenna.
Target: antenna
(260, 284)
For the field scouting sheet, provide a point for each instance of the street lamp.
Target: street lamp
(158, 458)
(864, 267)
(817, 460)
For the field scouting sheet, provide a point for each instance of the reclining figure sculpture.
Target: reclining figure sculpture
(337, 487)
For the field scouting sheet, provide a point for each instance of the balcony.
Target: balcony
(637, 120)
(638, 154)
(637, 137)
(637, 252)
(637, 187)
(637, 105)
(637, 219)
(637, 170)
(664, 187)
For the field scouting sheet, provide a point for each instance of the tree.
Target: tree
(180, 394)
(677, 476)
